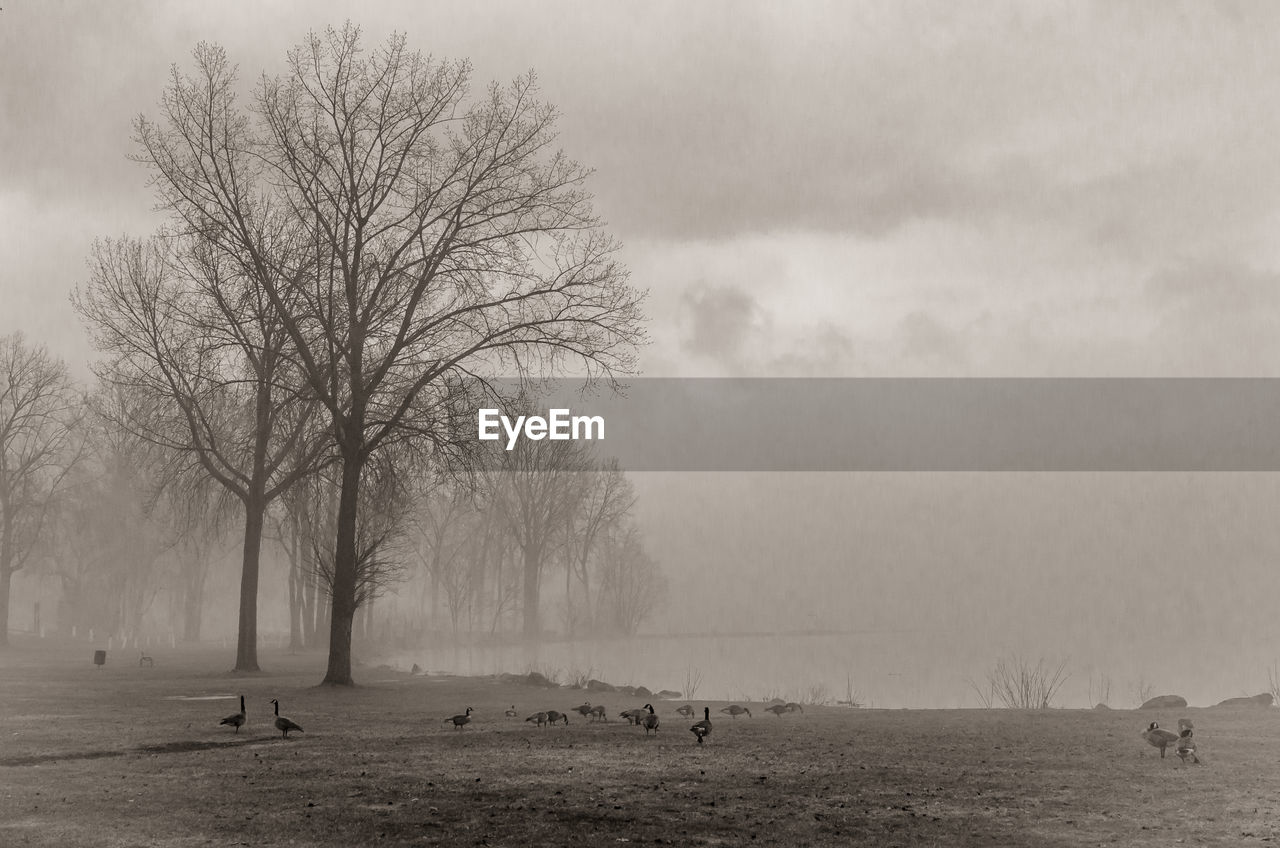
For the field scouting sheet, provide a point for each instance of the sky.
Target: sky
(925, 189)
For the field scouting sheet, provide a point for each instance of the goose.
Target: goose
(1186, 747)
(584, 710)
(686, 711)
(1158, 738)
(735, 710)
(460, 720)
(777, 709)
(633, 716)
(283, 724)
(792, 707)
(235, 720)
(511, 713)
(538, 719)
(1185, 724)
(702, 729)
(553, 717)
(650, 721)
(599, 713)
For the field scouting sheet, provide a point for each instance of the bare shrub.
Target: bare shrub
(986, 694)
(816, 694)
(578, 678)
(1021, 685)
(692, 680)
(1273, 683)
(1141, 690)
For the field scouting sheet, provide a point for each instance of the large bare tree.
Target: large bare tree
(39, 409)
(193, 339)
(446, 237)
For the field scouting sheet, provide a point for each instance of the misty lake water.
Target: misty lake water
(884, 669)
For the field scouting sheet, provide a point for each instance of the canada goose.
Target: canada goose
(650, 721)
(735, 710)
(792, 707)
(283, 724)
(599, 713)
(1185, 724)
(702, 729)
(511, 713)
(633, 716)
(1158, 738)
(584, 710)
(686, 711)
(1186, 747)
(777, 709)
(460, 720)
(235, 720)
(538, 719)
(553, 717)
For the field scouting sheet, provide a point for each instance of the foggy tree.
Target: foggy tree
(632, 583)
(192, 333)
(447, 239)
(535, 490)
(39, 410)
(452, 545)
(607, 498)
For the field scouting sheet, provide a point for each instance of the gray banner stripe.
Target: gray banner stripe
(934, 424)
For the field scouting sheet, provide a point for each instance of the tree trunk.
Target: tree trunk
(247, 637)
(344, 575)
(295, 585)
(6, 576)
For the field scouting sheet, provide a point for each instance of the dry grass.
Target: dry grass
(101, 758)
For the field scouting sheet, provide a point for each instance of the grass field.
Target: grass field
(127, 756)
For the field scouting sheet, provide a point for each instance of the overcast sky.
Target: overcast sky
(837, 189)
(805, 188)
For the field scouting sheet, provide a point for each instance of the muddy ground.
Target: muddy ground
(130, 756)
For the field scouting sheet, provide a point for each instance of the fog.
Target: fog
(888, 190)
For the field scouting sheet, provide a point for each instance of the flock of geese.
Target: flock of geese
(1183, 741)
(644, 717)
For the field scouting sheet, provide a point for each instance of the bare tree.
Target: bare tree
(633, 585)
(200, 347)
(446, 239)
(1019, 684)
(39, 410)
(536, 490)
(607, 497)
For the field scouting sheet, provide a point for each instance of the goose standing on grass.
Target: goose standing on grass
(686, 711)
(1186, 747)
(235, 720)
(792, 707)
(599, 713)
(1158, 738)
(1185, 724)
(735, 710)
(633, 716)
(702, 729)
(460, 720)
(283, 724)
(777, 709)
(511, 713)
(538, 719)
(650, 721)
(553, 717)
(584, 710)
